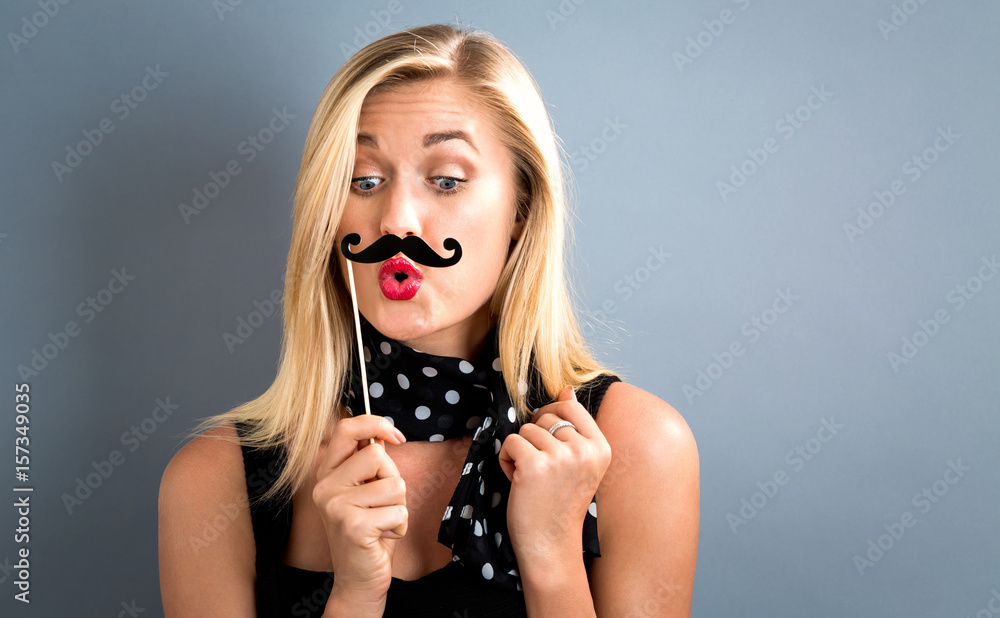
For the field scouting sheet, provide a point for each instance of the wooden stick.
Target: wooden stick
(357, 330)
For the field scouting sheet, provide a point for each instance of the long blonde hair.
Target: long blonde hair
(536, 321)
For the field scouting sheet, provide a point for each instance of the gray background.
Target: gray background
(649, 184)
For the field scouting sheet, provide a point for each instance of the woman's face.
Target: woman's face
(428, 164)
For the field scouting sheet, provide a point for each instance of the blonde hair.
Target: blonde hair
(536, 320)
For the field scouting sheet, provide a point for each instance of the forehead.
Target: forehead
(423, 104)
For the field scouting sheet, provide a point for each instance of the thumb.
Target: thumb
(567, 394)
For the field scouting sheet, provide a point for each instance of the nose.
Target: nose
(400, 210)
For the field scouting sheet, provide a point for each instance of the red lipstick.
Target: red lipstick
(399, 279)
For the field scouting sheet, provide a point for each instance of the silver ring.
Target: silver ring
(560, 425)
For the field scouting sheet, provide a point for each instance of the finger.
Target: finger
(383, 521)
(570, 411)
(567, 394)
(368, 463)
(543, 440)
(515, 449)
(352, 430)
(379, 493)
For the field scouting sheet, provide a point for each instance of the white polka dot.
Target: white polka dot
(473, 422)
(488, 571)
(404, 382)
(368, 355)
(477, 529)
(496, 364)
(522, 387)
(451, 397)
(385, 347)
(375, 390)
(496, 499)
(422, 412)
(592, 509)
(498, 538)
(391, 420)
(447, 513)
(430, 372)
(488, 422)
(511, 414)
(465, 366)
(496, 446)
(482, 488)
(436, 438)
(518, 585)
(467, 512)
(479, 386)
(484, 527)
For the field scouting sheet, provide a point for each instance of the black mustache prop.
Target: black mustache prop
(390, 244)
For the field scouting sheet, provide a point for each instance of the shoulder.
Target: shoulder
(639, 421)
(209, 464)
(206, 541)
(649, 506)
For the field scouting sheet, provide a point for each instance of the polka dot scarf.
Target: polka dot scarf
(437, 398)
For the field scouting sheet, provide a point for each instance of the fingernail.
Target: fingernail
(572, 392)
(399, 434)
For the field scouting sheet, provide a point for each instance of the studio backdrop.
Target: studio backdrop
(786, 227)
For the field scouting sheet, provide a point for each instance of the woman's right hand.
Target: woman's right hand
(362, 500)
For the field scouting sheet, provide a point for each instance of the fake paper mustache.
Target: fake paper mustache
(389, 245)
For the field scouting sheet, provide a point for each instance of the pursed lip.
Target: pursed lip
(392, 288)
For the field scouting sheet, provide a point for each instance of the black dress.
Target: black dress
(286, 591)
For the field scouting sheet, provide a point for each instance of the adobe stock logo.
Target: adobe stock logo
(373, 29)
(245, 327)
(899, 17)
(714, 29)
(752, 329)
(31, 27)
(133, 437)
(769, 488)
(122, 106)
(787, 125)
(928, 329)
(612, 129)
(924, 500)
(913, 168)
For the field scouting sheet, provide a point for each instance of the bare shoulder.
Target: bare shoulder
(648, 505)
(206, 544)
(209, 460)
(641, 421)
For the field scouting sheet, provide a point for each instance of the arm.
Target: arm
(649, 509)
(206, 544)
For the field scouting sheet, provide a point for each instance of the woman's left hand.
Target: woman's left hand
(553, 479)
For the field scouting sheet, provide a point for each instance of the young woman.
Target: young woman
(473, 486)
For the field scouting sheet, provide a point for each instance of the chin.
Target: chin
(399, 322)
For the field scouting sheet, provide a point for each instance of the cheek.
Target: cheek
(483, 271)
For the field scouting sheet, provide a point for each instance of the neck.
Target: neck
(466, 340)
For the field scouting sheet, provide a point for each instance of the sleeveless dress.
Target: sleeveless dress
(451, 591)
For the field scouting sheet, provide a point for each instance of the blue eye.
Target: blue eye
(448, 184)
(366, 183)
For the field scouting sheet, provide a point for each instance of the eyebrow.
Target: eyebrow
(431, 139)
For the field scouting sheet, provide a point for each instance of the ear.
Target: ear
(520, 216)
(517, 228)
